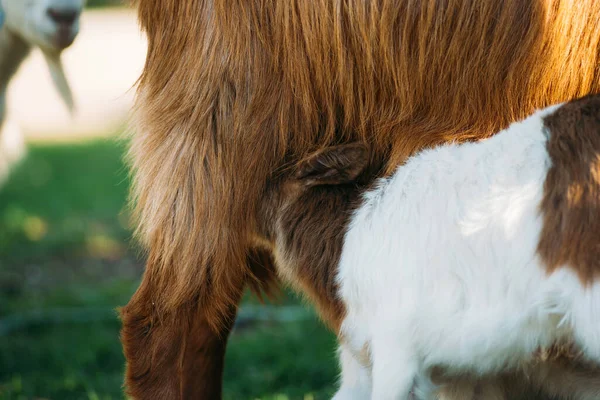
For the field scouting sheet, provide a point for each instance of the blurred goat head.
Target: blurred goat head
(51, 25)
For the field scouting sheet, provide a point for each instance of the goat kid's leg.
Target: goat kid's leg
(395, 367)
(355, 380)
(458, 389)
(471, 388)
(546, 380)
(565, 379)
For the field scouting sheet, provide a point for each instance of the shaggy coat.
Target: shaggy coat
(234, 91)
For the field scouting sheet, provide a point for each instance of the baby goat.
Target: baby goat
(469, 258)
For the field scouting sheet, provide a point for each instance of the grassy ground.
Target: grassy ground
(66, 263)
(105, 3)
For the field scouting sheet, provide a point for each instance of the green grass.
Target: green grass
(106, 3)
(66, 263)
(65, 200)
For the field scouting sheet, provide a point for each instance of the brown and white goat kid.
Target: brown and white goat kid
(469, 257)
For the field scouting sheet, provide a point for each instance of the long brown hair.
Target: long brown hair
(232, 89)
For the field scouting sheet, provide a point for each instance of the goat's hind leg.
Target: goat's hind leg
(584, 317)
(395, 367)
(355, 378)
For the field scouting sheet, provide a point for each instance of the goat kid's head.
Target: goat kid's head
(332, 173)
(51, 25)
(303, 220)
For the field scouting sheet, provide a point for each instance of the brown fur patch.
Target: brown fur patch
(312, 210)
(571, 206)
(314, 233)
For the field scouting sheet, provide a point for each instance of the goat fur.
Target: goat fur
(235, 91)
(441, 264)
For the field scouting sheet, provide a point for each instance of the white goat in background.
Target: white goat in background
(50, 25)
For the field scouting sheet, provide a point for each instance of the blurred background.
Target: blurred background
(67, 260)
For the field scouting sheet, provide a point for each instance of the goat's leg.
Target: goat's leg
(471, 388)
(395, 367)
(355, 378)
(174, 355)
(565, 378)
(458, 389)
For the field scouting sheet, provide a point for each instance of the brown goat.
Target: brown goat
(233, 91)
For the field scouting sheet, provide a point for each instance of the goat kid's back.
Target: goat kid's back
(473, 256)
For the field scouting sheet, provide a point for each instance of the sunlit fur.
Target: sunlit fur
(235, 90)
(440, 264)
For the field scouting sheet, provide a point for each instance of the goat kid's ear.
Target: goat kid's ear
(333, 165)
